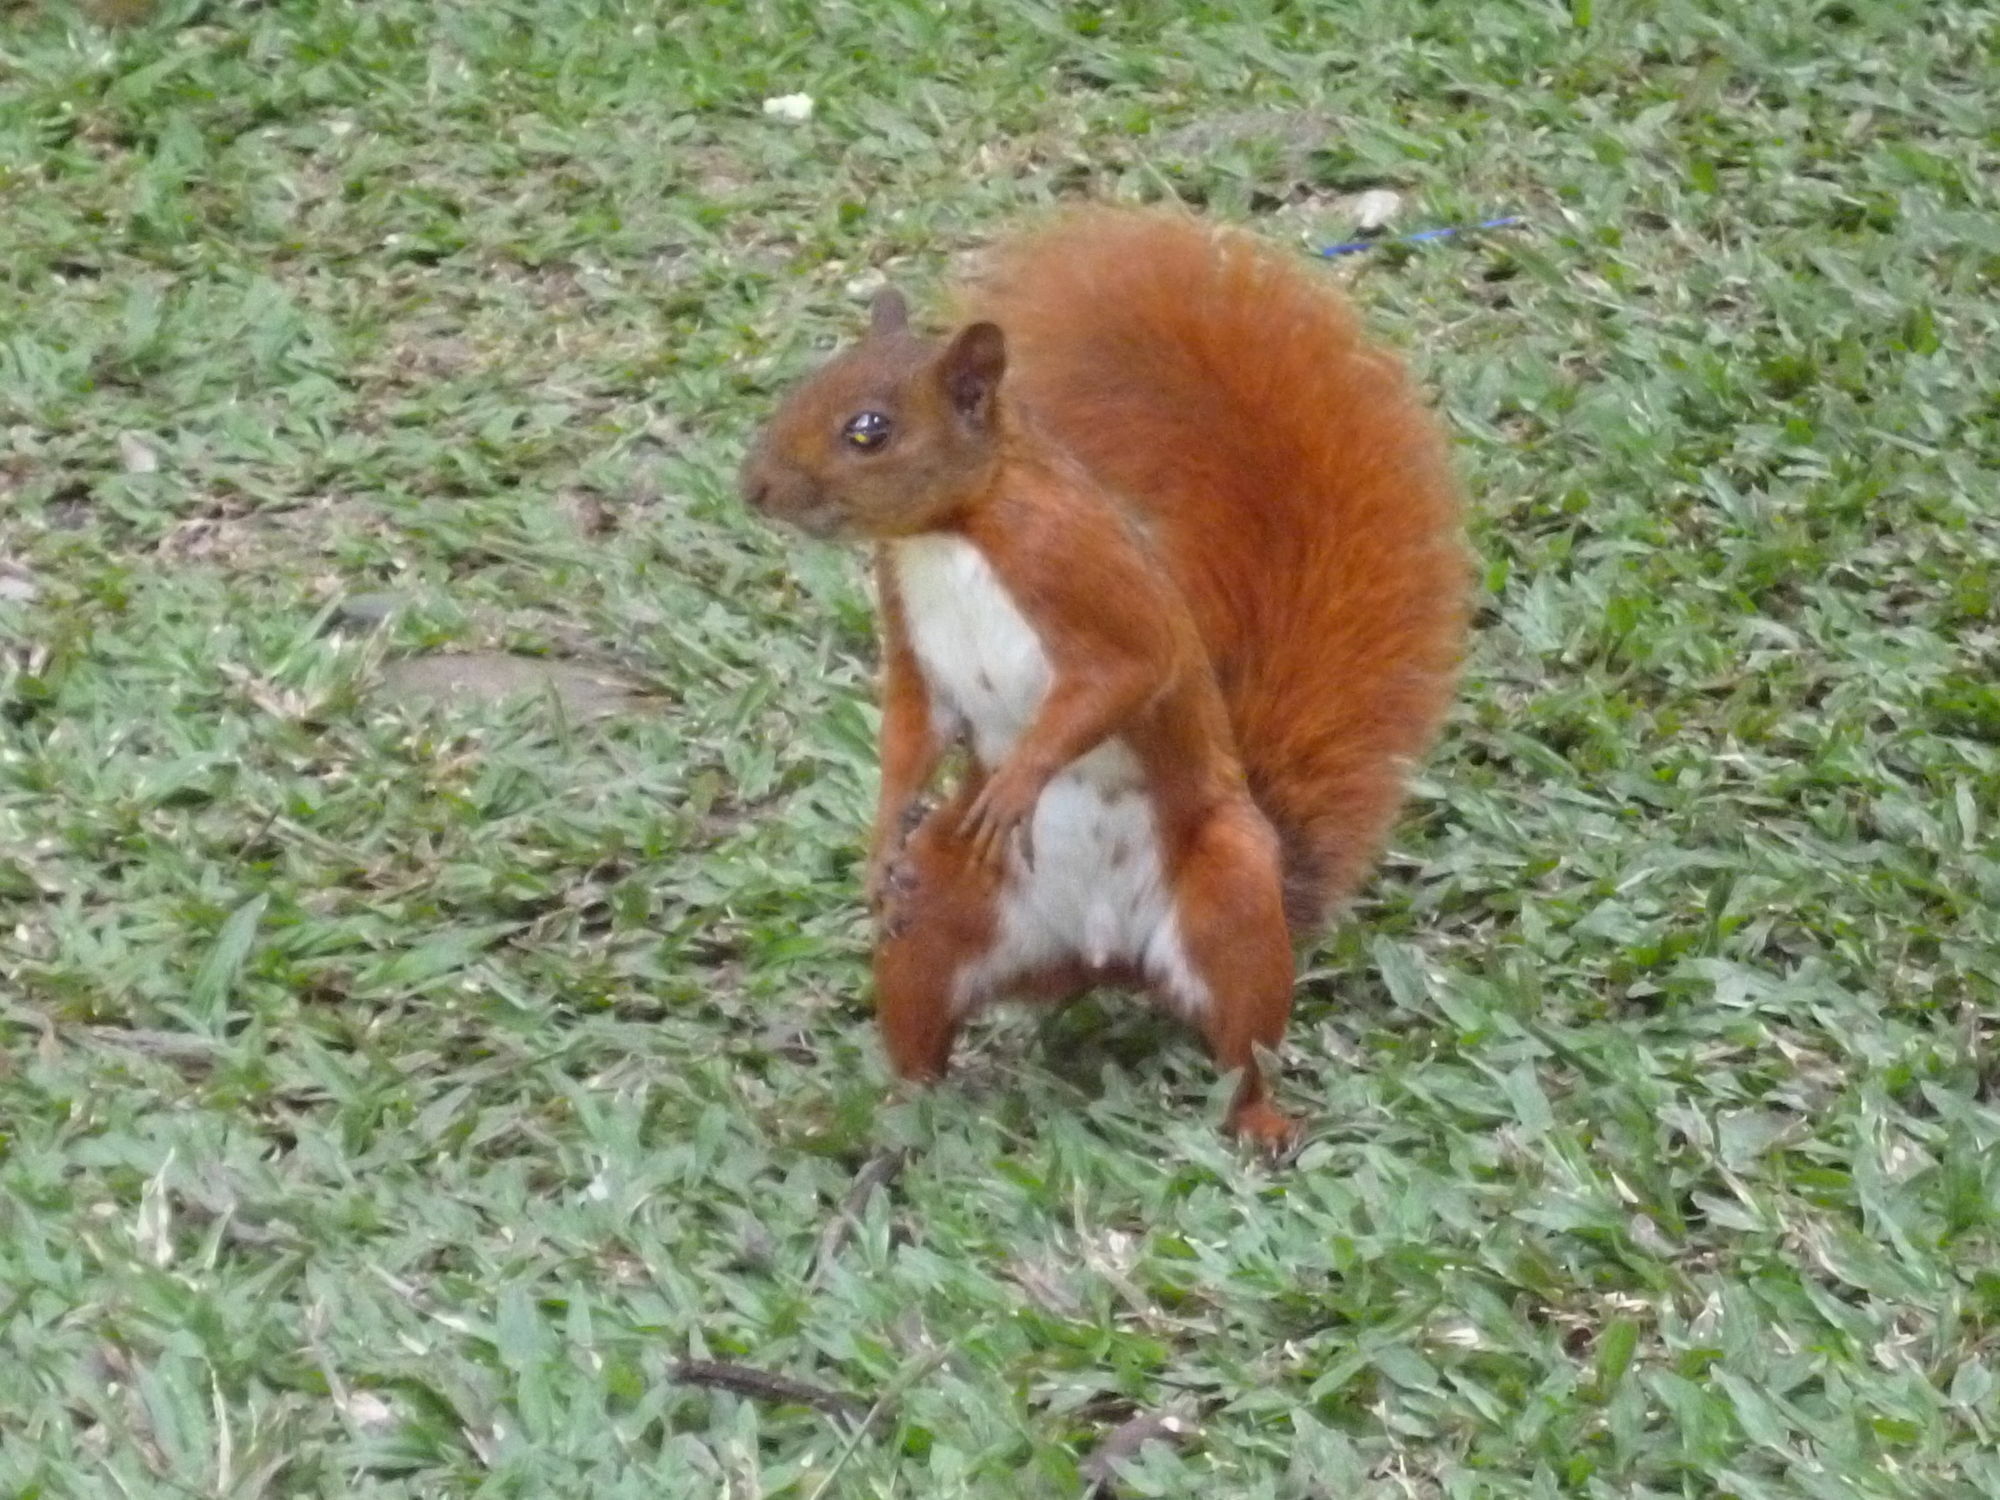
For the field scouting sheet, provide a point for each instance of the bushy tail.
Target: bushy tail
(1297, 487)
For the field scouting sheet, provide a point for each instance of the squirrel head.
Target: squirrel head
(886, 439)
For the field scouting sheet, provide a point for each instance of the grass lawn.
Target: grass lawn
(398, 1089)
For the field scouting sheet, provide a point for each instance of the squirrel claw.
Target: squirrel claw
(997, 815)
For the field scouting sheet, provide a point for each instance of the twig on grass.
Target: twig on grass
(878, 1172)
(762, 1385)
(907, 1377)
(188, 1051)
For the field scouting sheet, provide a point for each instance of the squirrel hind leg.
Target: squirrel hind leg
(1230, 910)
(938, 920)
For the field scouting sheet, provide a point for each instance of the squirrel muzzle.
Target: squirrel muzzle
(784, 494)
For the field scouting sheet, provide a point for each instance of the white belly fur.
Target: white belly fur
(1098, 889)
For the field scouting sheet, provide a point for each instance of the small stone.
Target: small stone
(369, 1411)
(1375, 208)
(586, 511)
(358, 614)
(69, 513)
(17, 584)
(136, 454)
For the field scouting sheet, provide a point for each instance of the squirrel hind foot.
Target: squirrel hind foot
(1264, 1125)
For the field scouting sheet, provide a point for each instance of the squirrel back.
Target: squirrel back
(1297, 488)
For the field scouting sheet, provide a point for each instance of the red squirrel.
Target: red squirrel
(1174, 554)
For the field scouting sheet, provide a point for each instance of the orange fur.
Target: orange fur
(1229, 529)
(1299, 490)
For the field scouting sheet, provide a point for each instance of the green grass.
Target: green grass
(389, 1101)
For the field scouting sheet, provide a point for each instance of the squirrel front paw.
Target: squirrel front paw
(1004, 808)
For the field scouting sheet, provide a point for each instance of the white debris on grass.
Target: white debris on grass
(792, 107)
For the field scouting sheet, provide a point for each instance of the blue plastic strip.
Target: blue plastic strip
(1352, 247)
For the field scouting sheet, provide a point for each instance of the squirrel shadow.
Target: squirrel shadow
(1077, 1039)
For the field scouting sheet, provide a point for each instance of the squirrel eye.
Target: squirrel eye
(868, 430)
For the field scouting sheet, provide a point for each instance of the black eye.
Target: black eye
(869, 430)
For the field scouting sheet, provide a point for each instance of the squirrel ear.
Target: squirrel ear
(970, 369)
(888, 313)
